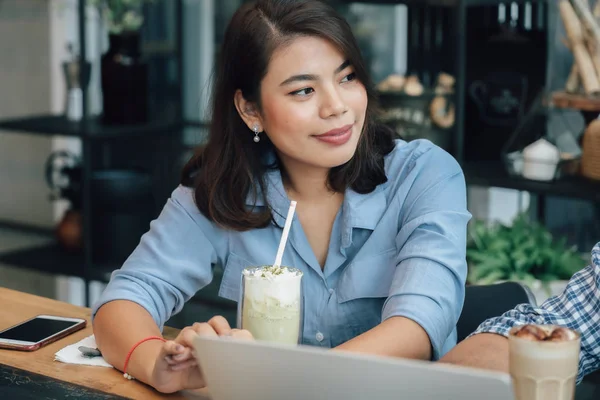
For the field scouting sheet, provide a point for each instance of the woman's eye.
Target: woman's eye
(303, 92)
(349, 77)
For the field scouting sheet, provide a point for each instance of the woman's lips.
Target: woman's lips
(336, 137)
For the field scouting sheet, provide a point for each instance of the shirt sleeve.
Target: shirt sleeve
(428, 285)
(173, 260)
(577, 308)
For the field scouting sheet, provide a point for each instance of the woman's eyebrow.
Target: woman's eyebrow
(311, 77)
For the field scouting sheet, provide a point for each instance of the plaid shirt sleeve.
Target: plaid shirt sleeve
(578, 308)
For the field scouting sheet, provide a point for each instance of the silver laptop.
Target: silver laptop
(243, 370)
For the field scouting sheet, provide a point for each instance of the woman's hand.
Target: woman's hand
(176, 367)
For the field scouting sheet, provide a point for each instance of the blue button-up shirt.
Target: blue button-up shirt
(397, 251)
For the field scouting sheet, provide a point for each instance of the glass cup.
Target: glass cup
(270, 304)
(543, 362)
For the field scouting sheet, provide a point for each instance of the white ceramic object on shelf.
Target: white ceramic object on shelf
(540, 160)
(75, 104)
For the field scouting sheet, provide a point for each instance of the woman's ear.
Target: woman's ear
(248, 111)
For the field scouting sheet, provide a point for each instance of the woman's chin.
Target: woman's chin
(334, 159)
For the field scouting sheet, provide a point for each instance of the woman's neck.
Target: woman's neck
(306, 184)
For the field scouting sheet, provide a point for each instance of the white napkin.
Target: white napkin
(72, 355)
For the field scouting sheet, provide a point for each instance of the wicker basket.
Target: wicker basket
(590, 160)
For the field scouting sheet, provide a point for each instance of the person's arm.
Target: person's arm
(427, 289)
(577, 308)
(118, 325)
(485, 350)
(171, 263)
(383, 340)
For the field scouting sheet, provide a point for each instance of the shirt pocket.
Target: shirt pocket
(361, 292)
(231, 283)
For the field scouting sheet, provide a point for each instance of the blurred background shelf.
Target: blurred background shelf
(52, 259)
(493, 174)
(30, 248)
(48, 125)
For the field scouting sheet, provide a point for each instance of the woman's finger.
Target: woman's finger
(184, 365)
(242, 334)
(187, 335)
(187, 354)
(170, 361)
(179, 358)
(220, 325)
(179, 351)
(171, 347)
(204, 329)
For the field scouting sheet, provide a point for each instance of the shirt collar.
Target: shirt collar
(596, 255)
(362, 211)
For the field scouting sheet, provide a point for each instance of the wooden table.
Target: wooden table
(18, 306)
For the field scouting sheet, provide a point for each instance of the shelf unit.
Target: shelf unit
(492, 173)
(457, 10)
(52, 258)
(92, 128)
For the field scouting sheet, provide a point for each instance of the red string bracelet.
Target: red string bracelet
(125, 374)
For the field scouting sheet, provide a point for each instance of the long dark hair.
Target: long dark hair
(231, 164)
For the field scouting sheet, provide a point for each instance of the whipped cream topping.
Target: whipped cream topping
(540, 333)
(277, 286)
(272, 272)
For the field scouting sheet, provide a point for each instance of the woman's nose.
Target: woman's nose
(333, 105)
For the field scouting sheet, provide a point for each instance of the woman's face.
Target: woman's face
(312, 106)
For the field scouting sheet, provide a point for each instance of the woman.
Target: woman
(380, 224)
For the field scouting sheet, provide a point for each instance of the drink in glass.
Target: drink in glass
(543, 362)
(271, 304)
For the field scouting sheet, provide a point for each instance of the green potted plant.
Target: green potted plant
(525, 252)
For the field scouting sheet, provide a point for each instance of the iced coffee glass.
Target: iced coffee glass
(270, 305)
(543, 361)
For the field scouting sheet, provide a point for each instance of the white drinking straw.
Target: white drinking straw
(286, 232)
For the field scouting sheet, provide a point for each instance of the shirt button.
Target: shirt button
(330, 291)
(319, 337)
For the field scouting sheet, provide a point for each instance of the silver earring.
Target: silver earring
(256, 133)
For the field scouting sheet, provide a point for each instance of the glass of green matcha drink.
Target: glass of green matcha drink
(270, 305)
